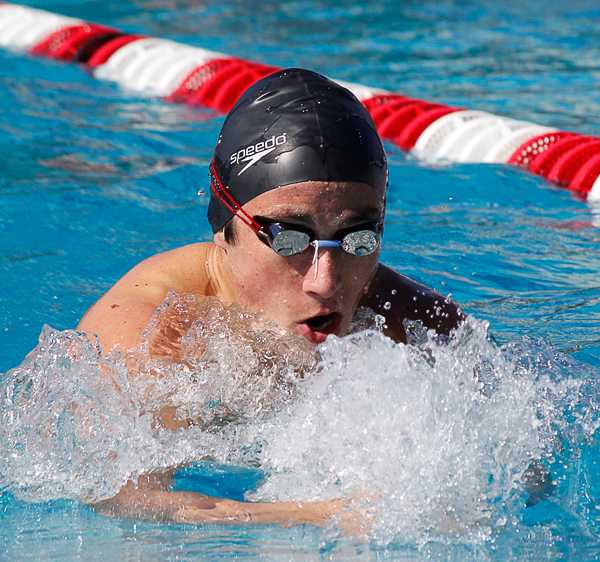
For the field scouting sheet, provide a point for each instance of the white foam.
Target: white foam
(457, 145)
(436, 436)
(496, 139)
(503, 150)
(474, 136)
(74, 424)
(441, 434)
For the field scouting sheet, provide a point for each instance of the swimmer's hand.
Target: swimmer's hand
(149, 500)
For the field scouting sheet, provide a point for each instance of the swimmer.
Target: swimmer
(298, 189)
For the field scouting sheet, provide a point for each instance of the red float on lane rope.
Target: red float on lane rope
(105, 51)
(413, 130)
(65, 43)
(545, 162)
(584, 180)
(533, 148)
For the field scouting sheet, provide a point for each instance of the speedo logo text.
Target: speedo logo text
(253, 153)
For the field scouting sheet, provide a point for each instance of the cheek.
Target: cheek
(355, 278)
(262, 279)
(359, 270)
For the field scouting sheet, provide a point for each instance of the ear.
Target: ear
(219, 240)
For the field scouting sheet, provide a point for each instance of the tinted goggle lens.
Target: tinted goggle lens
(360, 242)
(290, 242)
(357, 243)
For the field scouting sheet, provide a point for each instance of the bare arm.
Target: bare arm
(151, 499)
(398, 298)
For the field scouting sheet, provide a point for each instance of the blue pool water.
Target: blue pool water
(93, 180)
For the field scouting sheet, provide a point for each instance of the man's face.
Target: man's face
(308, 300)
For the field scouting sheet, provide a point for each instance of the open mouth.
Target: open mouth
(318, 327)
(323, 322)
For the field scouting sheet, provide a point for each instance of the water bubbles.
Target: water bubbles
(75, 424)
(436, 436)
(412, 426)
(387, 305)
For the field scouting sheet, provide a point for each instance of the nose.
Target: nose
(322, 278)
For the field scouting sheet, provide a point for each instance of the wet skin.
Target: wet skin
(286, 290)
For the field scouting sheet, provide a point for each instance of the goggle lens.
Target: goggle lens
(360, 242)
(290, 242)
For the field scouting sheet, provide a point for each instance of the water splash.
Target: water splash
(437, 438)
(76, 424)
(443, 434)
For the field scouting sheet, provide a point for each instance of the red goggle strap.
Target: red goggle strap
(224, 195)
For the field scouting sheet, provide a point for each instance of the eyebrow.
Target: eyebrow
(368, 214)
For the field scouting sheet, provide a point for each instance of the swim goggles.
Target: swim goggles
(289, 240)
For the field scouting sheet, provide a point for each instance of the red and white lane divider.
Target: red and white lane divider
(179, 73)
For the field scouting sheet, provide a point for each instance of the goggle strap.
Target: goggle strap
(232, 205)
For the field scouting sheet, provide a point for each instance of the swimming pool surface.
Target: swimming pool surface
(92, 180)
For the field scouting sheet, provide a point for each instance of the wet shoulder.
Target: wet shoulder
(399, 298)
(120, 315)
(184, 270)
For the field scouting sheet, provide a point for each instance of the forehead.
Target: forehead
(319, 199)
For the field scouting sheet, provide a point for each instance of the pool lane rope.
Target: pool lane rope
(433, 132)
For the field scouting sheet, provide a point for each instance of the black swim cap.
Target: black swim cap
(292, 126)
